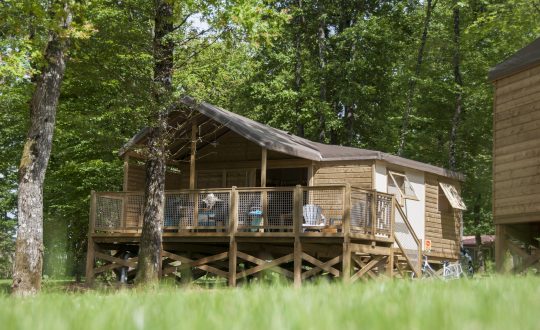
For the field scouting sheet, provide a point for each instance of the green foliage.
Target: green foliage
(460, 304)
(336, 72)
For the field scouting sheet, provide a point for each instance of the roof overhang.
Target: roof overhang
(280, 141)
(524, 59)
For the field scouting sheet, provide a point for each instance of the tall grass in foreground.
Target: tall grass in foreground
(494, 303)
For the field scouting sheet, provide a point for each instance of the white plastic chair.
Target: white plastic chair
(312, 215)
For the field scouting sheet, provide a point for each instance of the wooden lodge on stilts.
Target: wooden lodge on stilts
(243, 198)
(516, 160)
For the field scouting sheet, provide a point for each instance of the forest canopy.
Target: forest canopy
(384, 75)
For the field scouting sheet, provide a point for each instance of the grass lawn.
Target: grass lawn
(492, 303)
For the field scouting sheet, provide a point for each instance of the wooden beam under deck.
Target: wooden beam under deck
(321, 254)
(293, 250)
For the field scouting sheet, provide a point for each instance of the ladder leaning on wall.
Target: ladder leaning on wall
(407, 241)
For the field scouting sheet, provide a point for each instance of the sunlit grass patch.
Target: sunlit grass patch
(494, 303)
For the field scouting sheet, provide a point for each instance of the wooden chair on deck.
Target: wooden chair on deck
(312, 216)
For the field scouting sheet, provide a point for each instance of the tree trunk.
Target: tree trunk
(27, 269)
(298, 70)
(459, 85)
(412, 80)
(149, 264)
(321, 41)
(478, 235)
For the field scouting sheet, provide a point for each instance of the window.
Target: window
(453, 197)
(444, 204)
(400, 186)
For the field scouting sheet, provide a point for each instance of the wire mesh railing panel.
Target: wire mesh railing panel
(134, 211)
(258, 210)
(279, 211)
(213, 211)
(178, 211)
(108, 213)
(361, 211)
(322, 207)
(406, 239)
(384, 215)
(250, 210)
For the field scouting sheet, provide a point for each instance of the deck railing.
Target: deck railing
(330, 209)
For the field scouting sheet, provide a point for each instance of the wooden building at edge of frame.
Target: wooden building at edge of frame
(516, 158)
(380, 210)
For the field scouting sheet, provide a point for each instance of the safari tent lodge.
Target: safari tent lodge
(243, 197)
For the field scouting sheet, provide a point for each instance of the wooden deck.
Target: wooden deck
(237, 233)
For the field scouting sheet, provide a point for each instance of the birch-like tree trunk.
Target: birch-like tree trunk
(149, 265)
(28, 264)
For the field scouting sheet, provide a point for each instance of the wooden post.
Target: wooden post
(374, 212)
(192, 157)
(347, 210)
(264, 193)
(297, 228)
(310, 174)
(393, 218)
(123, 214)
(126, 173)
(264, 162)
(233, 250)
(297, 262)
(500, 247)
(390, 264)
(297, 210)
(90, 250)
(346, 258)
(233, 227)
(233, 211)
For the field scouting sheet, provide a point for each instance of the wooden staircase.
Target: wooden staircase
(409, 256)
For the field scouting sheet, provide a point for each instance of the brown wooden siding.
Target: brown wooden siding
(230, 148)
(136, 179)
(225, 178)
(516, 151)
(356, 173)
(442, 228)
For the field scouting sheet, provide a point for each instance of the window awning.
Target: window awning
(453, 197)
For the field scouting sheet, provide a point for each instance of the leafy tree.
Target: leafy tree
(28, 262)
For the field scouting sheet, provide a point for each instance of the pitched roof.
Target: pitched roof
(281, 141)
(524, 58)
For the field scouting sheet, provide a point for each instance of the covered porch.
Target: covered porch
(299, 232)
(242, 198)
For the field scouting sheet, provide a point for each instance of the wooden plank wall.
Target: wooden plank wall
(358, 174)
(225, 178)
(231, 147)
(137, 175)
(516, 151)
(442, 228)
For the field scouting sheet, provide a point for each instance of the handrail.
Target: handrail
(416, 268)
(404, 216)
(280, 210)
(209, 190)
